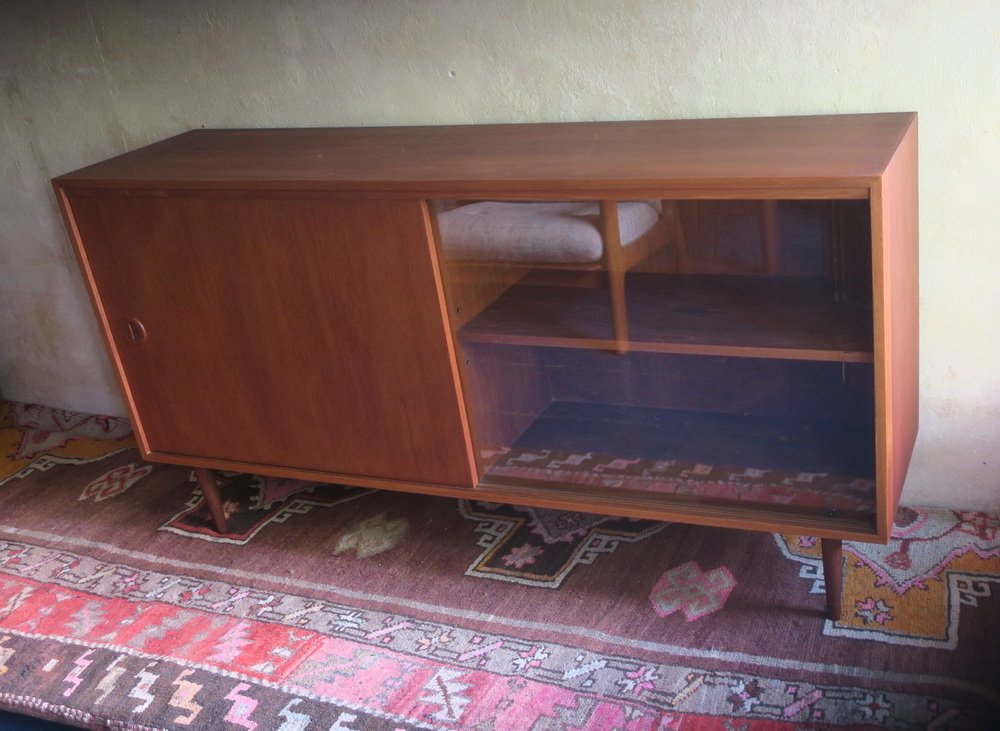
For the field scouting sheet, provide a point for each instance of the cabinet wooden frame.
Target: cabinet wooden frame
(329, 238)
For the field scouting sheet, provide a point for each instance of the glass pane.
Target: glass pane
(708, 350)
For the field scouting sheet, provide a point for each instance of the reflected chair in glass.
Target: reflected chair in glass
(603, 236)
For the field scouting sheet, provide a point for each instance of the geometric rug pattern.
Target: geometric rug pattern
(828, 491)
(36, 439)
(251, 503)
(913, 590)
(335, 607)
(536, 547)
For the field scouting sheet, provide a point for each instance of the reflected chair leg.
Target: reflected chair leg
(833, 575)
(677, 240)
(210, 489)
(618, 311)
(614, 259)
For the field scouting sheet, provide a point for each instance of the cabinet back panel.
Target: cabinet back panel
(761, 386)
(279, 331)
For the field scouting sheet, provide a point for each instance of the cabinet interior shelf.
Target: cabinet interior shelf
(746, 316)
(812, 463)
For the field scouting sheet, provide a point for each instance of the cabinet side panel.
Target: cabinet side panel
(895, 260)
(278, 330)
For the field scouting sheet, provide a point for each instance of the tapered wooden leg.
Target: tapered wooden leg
(833, 575)
(210, 489)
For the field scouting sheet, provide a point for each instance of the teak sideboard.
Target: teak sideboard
(701, 321)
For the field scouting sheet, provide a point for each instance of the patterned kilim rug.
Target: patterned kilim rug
(331, 607)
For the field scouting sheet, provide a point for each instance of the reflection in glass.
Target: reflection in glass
(697, 350)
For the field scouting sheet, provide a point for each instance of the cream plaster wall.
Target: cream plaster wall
(85, 80)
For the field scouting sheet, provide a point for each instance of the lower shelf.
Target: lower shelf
(795, 464)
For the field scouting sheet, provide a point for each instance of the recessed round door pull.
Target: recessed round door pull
(136, 331)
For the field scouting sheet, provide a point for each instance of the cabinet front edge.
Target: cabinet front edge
(701, 189)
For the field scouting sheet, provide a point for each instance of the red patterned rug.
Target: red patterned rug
(331, 607)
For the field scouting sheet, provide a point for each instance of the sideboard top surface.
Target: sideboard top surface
(750, 153)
